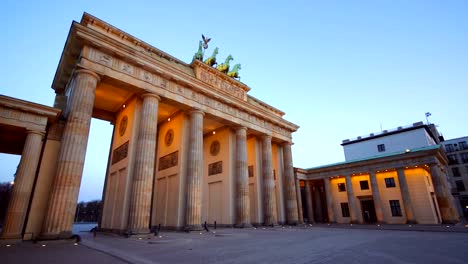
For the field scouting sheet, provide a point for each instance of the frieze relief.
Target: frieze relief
(154, 79)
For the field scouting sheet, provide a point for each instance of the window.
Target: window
(460, 186)
(390, 182)
(341, 187)
(395, 207)
(364, 185)
(449, 148)
(462, 145)
(381, 147)
(464, 157)
(455, 172)
(344, 209)
(452, 159)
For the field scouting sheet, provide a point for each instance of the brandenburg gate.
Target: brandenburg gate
(189, 144)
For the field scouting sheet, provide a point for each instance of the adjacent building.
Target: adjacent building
(396, 176)
(457, 154)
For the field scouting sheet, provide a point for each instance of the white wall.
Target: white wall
(393, 143)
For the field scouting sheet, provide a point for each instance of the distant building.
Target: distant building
(457, 154)
(397, 176)
(388, 141)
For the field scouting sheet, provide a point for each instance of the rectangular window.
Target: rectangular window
(364, 185)
(462, 145)
(452, 159)
(390, 182)
(449, 148)
(464, 157)
(381, 147)
(455, 172)
(460, 186)
(341, 187)
(395, 207)
(344, 209)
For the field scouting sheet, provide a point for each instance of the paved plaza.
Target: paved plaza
(311, 244)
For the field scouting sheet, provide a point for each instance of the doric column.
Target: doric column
(376, 195)
(299, 202)
(143, 172)
(351, 200)
(329, 195)
(269, 194)
(310, 206)
(242, 179)
(448, 209)
(62, 202)
(405, 195)
(194, 171)
(24, 180)
(290, 186)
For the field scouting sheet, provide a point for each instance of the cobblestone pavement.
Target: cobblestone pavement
(306, 244)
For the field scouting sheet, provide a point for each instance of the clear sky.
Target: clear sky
(339, 69)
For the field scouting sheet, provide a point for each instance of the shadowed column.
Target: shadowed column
(62, 202)
(24, 180)
(405, 195)
(328, 193)
(351, 200)
(448, 209)
(376, 196)
(299, 202)
(194, 171)
(142, 182)
(290, 186)
(269, 194)
(310, 206)
(242, 179)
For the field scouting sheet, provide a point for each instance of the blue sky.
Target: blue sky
(339, 69)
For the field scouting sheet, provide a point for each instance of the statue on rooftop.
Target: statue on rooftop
(224, 67)
(199, 54)
(212, 59)
(234, 73)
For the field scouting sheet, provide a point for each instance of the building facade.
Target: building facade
(396, 177)
(189, 144)
(457, 154)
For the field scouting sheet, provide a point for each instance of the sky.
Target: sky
(338, 69)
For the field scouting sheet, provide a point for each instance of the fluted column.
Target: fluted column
(242, 179)
(310, 206)
(24, 180)
(143, 174)
(445, 199)
(405, 195)
(351, 200)
(299, 202)
(269, 194)
(376, 196)
(328, 194)
(62, 202)
(290, 186)
(194, 171)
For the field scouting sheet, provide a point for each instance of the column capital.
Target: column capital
(195, 111)
(40, 133)
(85, 71)
(287, 143)
(266, 137)
(151, 95)
(239, 128)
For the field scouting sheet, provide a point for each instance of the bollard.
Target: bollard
(215, 225)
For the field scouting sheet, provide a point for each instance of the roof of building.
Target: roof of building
(425, 148)
(384, 133)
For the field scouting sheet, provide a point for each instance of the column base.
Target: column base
(244, 225)
(189, 228)
(55, 236)
(136, 232)
(11, 236)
